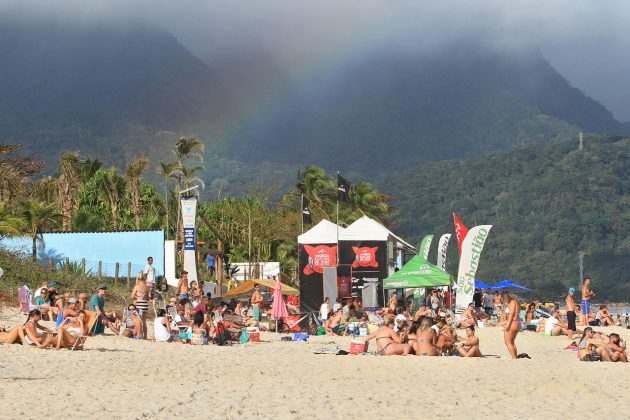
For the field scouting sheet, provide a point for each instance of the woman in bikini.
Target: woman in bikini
(513, 325)
(133, 323)
(14, 336)
(589, 345)
(31, 336)
(71, 328)
(425, 339)
(388, 343)
(140, 296)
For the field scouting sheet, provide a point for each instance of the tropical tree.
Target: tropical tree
(89, 168)
(9, 224)
(168, 171)
(37, 217)
(112, 188)
(68, 183)
(133, 172)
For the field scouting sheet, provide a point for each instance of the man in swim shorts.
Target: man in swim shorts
(587, 294)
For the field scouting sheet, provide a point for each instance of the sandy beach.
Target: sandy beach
(124, 378)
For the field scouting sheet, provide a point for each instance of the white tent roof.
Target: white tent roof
(325, 232)
(365, 229)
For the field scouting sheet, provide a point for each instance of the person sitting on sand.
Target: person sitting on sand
(71, 328)
(388, 343)
(97, 304)
(34, 338)
(423, 311)
(425, 339)
(445, 337)
(469, 347)
(530, 313)
(589, 345)
(553, 326)
(162, 328)
(617, 349)
(393, 302)
(468, 317)
(132, 323)
(200, 330)
(581, 319)
(603, 316)
(335, 325)
(180, 318)
(401, 318)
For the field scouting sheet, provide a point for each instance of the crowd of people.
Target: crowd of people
(399, 328)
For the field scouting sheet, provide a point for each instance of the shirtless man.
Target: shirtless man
(257, 304)
(423, 311)
(468, 318)
(334, 324)
(617, 349)
(393, 302)
(571, 313)
(71, 310)
(445, 337)
(388, 343)
(182, 287)
(587, 294)
(469, 346)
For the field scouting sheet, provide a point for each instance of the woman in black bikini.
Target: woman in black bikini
(388, 343)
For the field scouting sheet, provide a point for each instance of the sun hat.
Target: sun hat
(72, 300)
(102, 286)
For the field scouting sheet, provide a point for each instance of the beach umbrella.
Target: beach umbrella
(510, 285)
(278, 307)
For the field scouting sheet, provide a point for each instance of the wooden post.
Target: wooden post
(67, 265)
(100, 269)
(128, 275)
(83, 266)
(116, 274)
(218, 268)
(50, 264)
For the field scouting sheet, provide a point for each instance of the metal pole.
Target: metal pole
(581, 266)
(302, 211)
(249, 243)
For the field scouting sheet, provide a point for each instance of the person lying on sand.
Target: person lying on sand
(388, 343)
(14, 336)
(425, 339)
(469, 346)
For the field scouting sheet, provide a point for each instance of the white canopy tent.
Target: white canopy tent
(325, 232)
(366, 228)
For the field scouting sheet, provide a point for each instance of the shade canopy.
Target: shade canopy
(418, 272)
(248, 285)
(325, 232)
(479, 284)
(511, 286)
(367, 229)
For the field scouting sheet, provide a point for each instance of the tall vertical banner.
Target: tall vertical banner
(442, 248)
(189, 213)
(425, 246)
(468, 263)
(460, 231)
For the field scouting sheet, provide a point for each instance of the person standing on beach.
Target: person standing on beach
(149, 274)
(512, 309)
(324, 309)
(182, 287)
(488, 302)
(571, 313)
(257, 304)
(587, 294)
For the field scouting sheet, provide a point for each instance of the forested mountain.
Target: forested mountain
(546, 203)
(102, 88)
(391, 110)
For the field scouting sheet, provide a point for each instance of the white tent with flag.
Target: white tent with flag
(325, 232)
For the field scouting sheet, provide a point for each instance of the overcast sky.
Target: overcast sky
(586, 41)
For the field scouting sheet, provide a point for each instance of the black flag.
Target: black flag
(343, 188)
(306, 212)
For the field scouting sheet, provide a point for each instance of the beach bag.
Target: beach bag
(221, 338)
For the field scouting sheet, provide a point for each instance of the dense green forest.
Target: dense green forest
(547, 203)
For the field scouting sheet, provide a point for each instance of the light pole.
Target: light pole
(581, 266)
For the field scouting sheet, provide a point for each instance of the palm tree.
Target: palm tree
(37, 217)
(67, 185)
(112, 187)
(89, 167)
(188, 148)
(9, 224)
(319, 188)
(133, 172)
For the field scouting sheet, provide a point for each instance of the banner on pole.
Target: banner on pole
(460, 231)
(468, 263)
(425, 246)
(189, 213)
(442, 249)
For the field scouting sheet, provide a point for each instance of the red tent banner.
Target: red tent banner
(461, 231)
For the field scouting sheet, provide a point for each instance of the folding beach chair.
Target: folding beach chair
(25, 295)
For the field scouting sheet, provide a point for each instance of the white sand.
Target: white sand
(123, 378)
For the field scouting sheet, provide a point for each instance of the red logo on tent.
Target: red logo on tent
(364, 257)
(319, 257)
